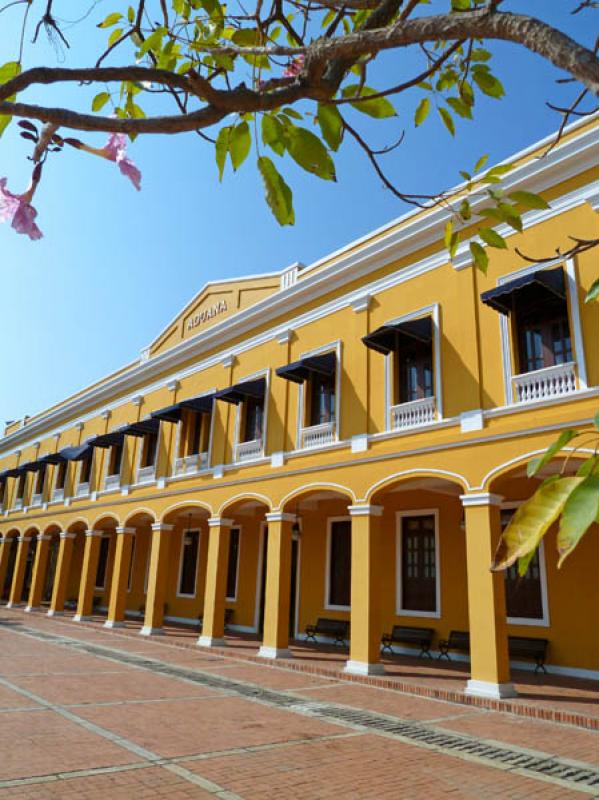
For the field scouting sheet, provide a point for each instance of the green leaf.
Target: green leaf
(481, 163)
(460, 107)
(538, 463)
(8, 71)
(531, 522)
(451, 239)
(153, 42)
(273, 134)
(221, 149)
(488, 84)
(465, 210)
(479, 254)
(111, 20)
(114, 36)
(422, 112)
(596, 420)
(447, 119)
(592, 293)
(587, 467)
(331, 125)
(278, 194)
(580, 511)
(379, 108)
(492, 238)
(308, 151)
(480, 54)
(239, 144)
(100, 101)
(529, 199)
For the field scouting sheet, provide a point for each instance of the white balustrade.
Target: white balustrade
(18, 504)
(246, 451)
(543, 384)
(191, 464)
(82, 489)
(36, 500)
(318, 435)
(58, 495)
(113, 481)
(146, 474)
(413, 414)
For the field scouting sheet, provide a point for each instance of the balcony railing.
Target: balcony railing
(246, 451)
(82, 489)
(18, 504)
(191, 464)
(146, 474)
(543, 384)
(413, 414)
(36, 500)
(113, 481)
(318, 435)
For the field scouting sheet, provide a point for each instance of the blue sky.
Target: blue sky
(115, 265)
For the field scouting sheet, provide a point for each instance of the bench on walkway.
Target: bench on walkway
(338, 628)
(401, 634)
(458, 640)
(529, 647)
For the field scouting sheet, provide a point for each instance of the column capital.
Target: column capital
(365, 510)
(125, 530)
(280, 516)
(92, 533)
(220, 522)
(43, 538)
(481, 499)
(64, 535)
(22, 538)
(161, 526)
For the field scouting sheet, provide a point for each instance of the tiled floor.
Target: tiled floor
(89, 725)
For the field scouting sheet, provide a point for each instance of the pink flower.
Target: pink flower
(294, 67)
(18, 209)
(116, 150)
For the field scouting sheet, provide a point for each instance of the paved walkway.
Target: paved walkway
(90, 713)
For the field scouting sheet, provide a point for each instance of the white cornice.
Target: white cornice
(414, 233)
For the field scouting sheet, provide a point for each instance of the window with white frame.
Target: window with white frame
(526, 595)
(102, 562)
(40, 480)
(233, 564)
(418, 564)
(60, 475)
(338, 578)
(149, 449)
(188, 565)
(85, 469)
(115, 459)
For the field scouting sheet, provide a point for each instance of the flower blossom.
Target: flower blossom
(18, 209)
(294, 67)
(116, 150)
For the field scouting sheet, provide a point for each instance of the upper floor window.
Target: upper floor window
(149, 449)
(317, 375)
(248, 396)
(409, 348)
(21, 483)
(40, 480)
(115, 459)
(543, 336)
(85, 469)
(194, 419)
(2, 492)
(61, 475)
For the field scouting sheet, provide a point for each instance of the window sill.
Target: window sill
(420, 614)
(528, 622)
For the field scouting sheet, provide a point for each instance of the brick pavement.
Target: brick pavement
(91, 726)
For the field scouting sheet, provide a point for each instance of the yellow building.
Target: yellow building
(339, 441)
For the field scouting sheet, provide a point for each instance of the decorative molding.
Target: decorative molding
(481, 499)
(228, 361)
(593, 200)
(280, 516)
(359, 443)
(125, 530)
(277, 460)
(220, 522)
(162, 526)
(284, 336)
(365, 510)
(106, 414)
(472, 420)
(361, 303)
(90, 534)
(462, 259)
(137, 400)
(173, 385)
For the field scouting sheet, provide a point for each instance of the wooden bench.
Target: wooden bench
(338, 628)
(458, 640)
(529, 647)
(401, 634)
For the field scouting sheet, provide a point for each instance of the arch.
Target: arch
(310, 488)
(503, 469)
(107, 518)
(140, 512)
(240, 498)
(53, 527)
(407, 474)
(11, 533)
(77, 524)
(31, 531)
(177, 508)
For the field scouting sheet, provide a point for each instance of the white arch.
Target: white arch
(107, 515)
(142, 510)
(424, 473)
(245, 496)
(315, 487)
(526, 457)
(186, 504)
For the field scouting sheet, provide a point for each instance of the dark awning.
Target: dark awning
(248, 390)
(542, 284)
(142, 428)
(33, 466)
(300, 371)
(11, 473)
(107, 439)
(52, 458)
(388, 338)
(76, 453)
(202, 405)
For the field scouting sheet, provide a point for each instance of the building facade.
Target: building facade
(342, 440)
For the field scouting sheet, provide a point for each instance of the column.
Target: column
(62, 574)
(275, 643)
(213, 627)
(16, 589)
(120, 578)
(38, 577)
(366, 626)
(89, 572)
(159, 563)
(355, 382)
(489, 661)
(5, 543)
